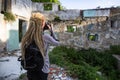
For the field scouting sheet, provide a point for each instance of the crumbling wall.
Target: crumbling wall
(62, 15)
(115, 11)
(68, 14)
(99, 32)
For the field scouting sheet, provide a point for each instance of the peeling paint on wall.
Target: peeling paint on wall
(22, 8)
(13, 36)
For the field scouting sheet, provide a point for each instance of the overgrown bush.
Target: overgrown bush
(57, 19)
(106, 62)
(115, 49)
(55, 1)
(70, 28)
(22, 76)
(85, 64)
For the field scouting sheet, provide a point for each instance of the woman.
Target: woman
(35, 37)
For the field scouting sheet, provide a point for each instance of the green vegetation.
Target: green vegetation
(8, 16)
(22, 76)
(55, 1)
(57, 19)
(115, 49)
(86, 64)
(51, 1)
(47, 7)
(70, 28)
(92, 37)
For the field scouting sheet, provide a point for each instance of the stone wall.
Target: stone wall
(99, 32)
(63, 14)
(37, 6)
(68, 14)
(115, 11)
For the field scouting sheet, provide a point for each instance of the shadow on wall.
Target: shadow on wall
(13, 40)
(2, 46)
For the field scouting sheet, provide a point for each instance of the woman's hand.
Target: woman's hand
(50, 27)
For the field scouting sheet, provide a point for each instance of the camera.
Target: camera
(46, 26)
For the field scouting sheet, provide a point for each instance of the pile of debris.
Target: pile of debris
(58, 73)
(8, 58)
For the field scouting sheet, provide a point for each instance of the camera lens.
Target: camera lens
(46, 26)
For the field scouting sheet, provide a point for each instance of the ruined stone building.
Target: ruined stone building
(96, 28)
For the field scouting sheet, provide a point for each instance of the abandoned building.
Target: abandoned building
(96, 28)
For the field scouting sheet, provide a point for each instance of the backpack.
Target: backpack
(33, 58)
(26, 64)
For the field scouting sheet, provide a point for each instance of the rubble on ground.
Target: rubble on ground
(58, 73)
(13, 71)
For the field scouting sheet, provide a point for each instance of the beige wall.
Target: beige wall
(3, 33)
(3, 29)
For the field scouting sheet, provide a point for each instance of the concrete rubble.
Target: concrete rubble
(10, 68)
(58, 73)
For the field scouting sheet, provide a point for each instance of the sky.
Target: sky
(89, 4)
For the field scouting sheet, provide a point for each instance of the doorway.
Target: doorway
(22, 28)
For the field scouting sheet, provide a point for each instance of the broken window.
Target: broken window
(71, 28)
(113, 24)
(47, 7)
(92, 37)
